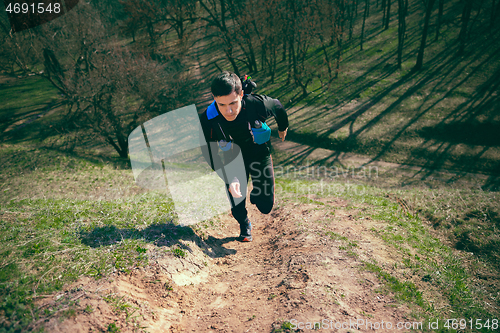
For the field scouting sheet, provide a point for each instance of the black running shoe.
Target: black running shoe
(245, 231)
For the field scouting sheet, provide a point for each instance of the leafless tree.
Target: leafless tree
(243, 16)
(439, 18)
(388, 15)
(142, 15)
(466, 13)
(216, 14)
(7, 59)
(384, 6)
(365, 15)
(340, 23)
(108, 89)
(495, 12)
(157, 17)
(178, 14)
(402, 9)
(429, 4)
(269, 32)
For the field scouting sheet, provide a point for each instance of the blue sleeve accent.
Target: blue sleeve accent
(212, 111)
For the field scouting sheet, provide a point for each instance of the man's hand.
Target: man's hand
(283, 134)
(234, 188)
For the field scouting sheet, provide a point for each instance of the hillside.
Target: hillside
(387, 196)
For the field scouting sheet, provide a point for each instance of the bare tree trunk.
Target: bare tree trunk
(233, 63)
(220, 23)
(363, 27)
(351, 19)
(401, 29)
(283, 57)
(263, 56)
(492, 13)
(383, 11)
(495, 10)
(151, 32)
(294, 61)
(341, 23)
(6, 30)
(249, 53)
(439, 18)
(475, 19)
(420, 56)
(272, 62)
(465, 21)
(388, 16)
(339, 54)
(289, 46)
(327, 58)
(239, 20)
(262, 41)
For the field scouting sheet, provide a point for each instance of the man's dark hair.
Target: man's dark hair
(225, 83)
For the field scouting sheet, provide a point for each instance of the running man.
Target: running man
(234, 123)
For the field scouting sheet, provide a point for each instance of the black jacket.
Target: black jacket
(216, 133)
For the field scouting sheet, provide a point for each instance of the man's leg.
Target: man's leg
(262, 194)
(240, 212)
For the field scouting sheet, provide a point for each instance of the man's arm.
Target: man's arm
(273, 107)
(280, 115)
(282, 119)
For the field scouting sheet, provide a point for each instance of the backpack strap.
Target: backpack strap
(252, 104)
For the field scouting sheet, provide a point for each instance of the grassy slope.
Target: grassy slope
(53, 237)
(429, 264)
(441, 117)
(63, 214)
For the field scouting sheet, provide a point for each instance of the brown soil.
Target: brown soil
(292, 270)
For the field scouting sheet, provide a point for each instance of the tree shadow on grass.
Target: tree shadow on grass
(470, 133)
(163, 234)
(34, 158)
(473, 123)
(25, 126)
(464, 125)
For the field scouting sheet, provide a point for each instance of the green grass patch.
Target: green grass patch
(434, 264)
(284, 327)
(179, 253)
(48, 243)
(405, 291)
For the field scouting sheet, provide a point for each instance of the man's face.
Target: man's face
(229, 105)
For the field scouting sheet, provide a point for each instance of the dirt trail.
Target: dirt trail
(292, 270)
(287, 274)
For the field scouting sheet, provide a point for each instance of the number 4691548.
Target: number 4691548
(477, 324)
(39, 8)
